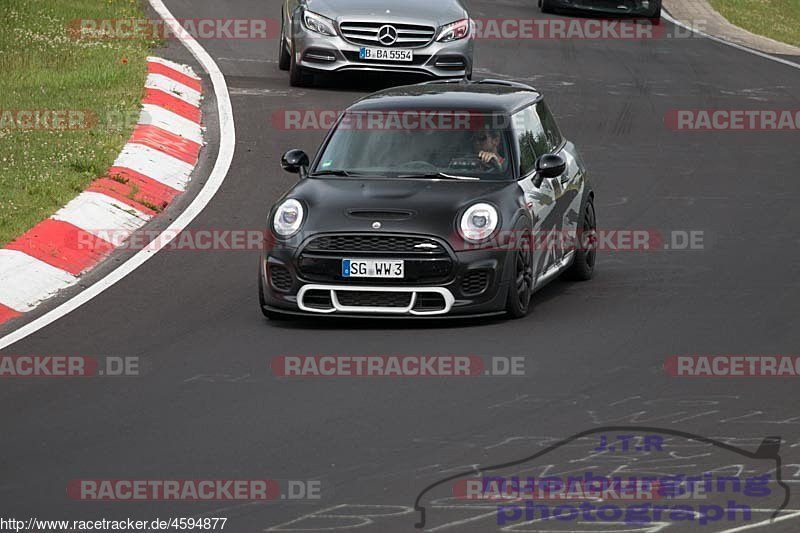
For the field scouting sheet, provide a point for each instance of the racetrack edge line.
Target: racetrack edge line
(732, 44)
(217, 176)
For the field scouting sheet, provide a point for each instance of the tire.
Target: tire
(582, 268)
(284, 57)
(520, 287)
(545, 6)
(655, 18)
(298, 77)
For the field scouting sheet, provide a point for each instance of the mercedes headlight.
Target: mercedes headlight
(318, 23)
(288, 218)
(479, 222)
(454, 31)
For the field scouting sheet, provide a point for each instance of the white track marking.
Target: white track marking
(93, 211)
(155, 164)
(335, 513)
(734, 45)
(171, 122)
(183, 69)
(25, 281)
(227, 144)
(763, 523)
(175, 88)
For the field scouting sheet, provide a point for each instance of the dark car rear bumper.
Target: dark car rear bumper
(640, 8)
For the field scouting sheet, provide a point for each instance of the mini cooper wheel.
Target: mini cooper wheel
(520, 288)
(582, 267)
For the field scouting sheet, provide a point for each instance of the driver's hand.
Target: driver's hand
(486, 157)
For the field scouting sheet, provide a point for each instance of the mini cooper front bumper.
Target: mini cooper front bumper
(438, 281)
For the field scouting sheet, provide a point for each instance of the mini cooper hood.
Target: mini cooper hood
(433, 205)
(437, 13)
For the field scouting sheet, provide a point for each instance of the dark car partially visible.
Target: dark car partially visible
(650, 9)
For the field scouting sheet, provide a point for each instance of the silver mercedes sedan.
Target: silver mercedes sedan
(430, 37)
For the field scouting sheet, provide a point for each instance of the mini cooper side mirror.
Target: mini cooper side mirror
(549, 166)
(295, 161)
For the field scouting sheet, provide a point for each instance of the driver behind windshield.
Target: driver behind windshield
(485, 144)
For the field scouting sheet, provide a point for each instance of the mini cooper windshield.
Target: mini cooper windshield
(418, 145)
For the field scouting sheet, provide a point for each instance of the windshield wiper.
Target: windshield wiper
(440, 175)
(331, 173)
(344, 173)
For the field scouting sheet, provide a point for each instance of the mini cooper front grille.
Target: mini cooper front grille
(474, 282)
(391, 244)
(397, 36)
(374, 299)
(280, 278)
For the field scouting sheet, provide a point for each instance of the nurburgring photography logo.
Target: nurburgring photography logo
(616, 475)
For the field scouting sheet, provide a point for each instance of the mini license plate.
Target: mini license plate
(372, 268)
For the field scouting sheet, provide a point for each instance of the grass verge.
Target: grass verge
(94, 87)
(777, 19)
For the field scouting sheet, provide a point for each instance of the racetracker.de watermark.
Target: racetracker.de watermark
(68, 366)
(546, 29)
(733, 120)
(232, 240)
(615, 240)
(193, 489)
(385, 120)
(167, 29)
(587, 487)
(400, 366)
(733, 366)
(47, 119)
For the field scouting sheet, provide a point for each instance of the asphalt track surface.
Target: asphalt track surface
(209, 406)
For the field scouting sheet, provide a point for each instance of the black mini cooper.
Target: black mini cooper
(431, 200)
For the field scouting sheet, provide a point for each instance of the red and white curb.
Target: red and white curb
(153, 168)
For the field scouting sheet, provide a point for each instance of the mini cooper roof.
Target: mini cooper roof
(486, 96)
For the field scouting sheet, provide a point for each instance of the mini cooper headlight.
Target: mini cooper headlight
(479, 222)
(454, 31)
(288, 218)
(318, 23)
